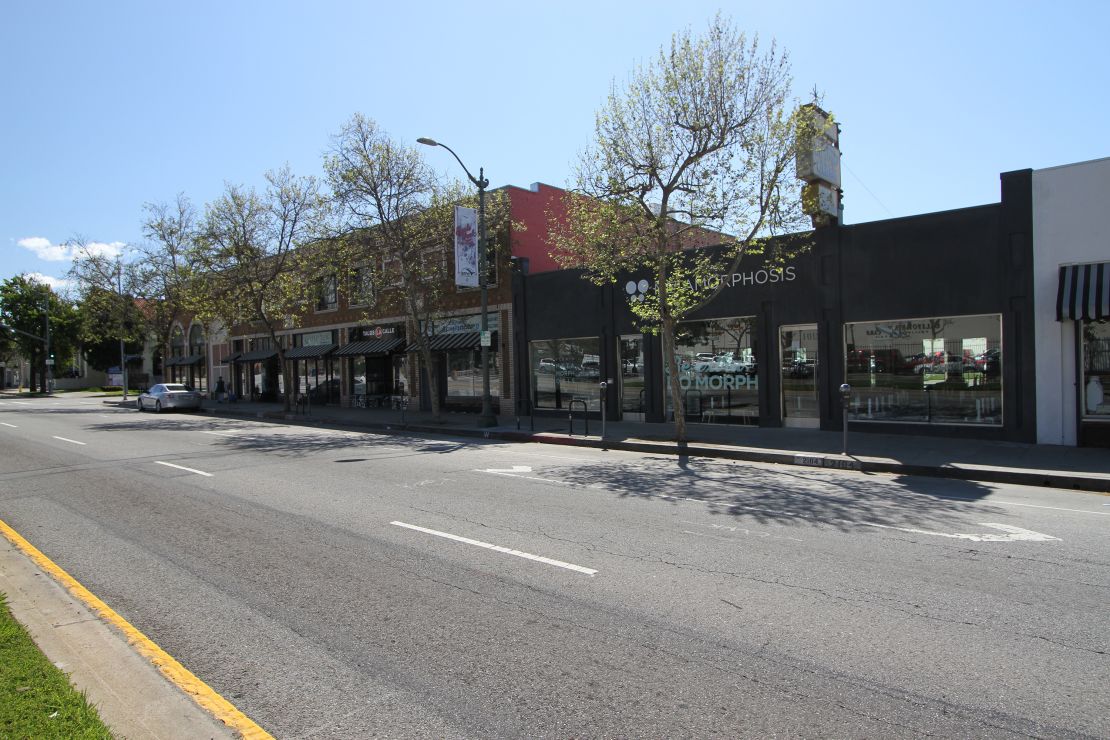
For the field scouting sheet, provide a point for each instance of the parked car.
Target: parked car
(169, 396)
(989, 362)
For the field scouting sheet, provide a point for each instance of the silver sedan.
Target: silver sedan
(169, 396)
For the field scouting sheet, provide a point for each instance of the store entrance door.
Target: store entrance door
(798, 353)
(630, 351)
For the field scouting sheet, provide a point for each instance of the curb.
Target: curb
(983, 474)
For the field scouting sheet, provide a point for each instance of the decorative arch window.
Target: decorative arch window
(196, 340)
(177, 342)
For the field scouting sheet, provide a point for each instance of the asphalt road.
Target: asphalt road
(347, 584)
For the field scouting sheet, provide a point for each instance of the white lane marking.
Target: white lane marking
(499, 548)
(22, 403)
(1054, 508)
(1013, 533)
(182, 467)
(220, 434)
(71, 441)
(13, 426)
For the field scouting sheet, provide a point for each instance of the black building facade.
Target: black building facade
(928, 318)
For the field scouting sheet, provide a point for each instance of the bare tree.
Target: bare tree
(394, 218)
(170, 285)
(255, 249)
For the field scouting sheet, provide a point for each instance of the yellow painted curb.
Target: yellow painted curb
(178, 674)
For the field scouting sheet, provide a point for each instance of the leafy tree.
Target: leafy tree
(254, 250)
(394, 220)
(22, 301)
(696, 148)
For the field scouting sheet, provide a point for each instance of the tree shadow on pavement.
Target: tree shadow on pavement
(792, 495)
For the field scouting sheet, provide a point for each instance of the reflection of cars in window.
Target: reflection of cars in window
(799, 368)
(989, 362)
(879, 360)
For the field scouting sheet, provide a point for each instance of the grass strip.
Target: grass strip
(36, 698)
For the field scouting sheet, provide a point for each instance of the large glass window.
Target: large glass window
(566, 370)
(717, 371)
(938, 370)
(1096, 369)
(464, 373)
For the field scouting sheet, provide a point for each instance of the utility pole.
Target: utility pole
(122, 355)
(48, 361)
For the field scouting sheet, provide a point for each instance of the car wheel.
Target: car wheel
(157, 407)
(139, 404)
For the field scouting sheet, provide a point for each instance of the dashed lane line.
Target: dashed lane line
(4, 423)
(182, 467)
(67, 439)
(499, 548)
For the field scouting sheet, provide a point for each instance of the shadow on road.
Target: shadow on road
(792, 496)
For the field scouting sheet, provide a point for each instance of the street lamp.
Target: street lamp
(486, 419)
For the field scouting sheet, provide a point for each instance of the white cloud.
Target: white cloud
(45, 250)
(56, 284)
(100, 249)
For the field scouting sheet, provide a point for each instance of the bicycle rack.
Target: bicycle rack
(585, 416)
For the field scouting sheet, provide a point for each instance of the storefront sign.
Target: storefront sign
(464, 324)
(752, 277)
(763, 276)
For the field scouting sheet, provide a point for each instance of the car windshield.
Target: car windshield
(175, 387)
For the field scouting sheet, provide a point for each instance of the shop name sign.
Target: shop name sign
(637, 290)
(752, 277)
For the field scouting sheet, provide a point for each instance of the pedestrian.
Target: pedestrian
(220, 388)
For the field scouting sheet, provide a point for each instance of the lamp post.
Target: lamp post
(486, 419)
(48, 361)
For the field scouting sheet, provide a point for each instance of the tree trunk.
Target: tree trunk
(669, 359)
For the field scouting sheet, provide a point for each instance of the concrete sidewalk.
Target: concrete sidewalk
(1086, 469)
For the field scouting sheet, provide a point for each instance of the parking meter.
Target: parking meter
(603, 385)
(845, 396)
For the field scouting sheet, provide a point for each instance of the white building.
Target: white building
(1071, 263)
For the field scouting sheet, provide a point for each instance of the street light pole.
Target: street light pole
(486, 419)
(122, 355)
(48, 372)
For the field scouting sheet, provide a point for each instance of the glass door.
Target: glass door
(798, 352)
(630, 350)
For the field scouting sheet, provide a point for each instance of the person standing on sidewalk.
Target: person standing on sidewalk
(220, 388)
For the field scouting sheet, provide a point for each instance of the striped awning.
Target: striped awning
(257, 355)
(183, 361)
(370, 347)
(1084, 292)
(311, 352)
(462, 340)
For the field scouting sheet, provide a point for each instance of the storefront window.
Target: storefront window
(464, 373)
(1096, 369)
(565, 370)
(358, 375)
(717, 371)
(937, 370)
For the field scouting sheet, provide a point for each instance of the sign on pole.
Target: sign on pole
(466, 247)
(486, 338)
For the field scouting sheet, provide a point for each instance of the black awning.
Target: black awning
(370, 347)
(1084, 292)
(311, 352)
(257, 355)
(462, 340)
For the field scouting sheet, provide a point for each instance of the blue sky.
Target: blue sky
(108, 106)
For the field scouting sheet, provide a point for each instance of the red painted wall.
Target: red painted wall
(531, 207)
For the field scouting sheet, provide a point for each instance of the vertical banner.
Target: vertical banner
(466, 247)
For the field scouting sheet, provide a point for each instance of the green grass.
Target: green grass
(36, 699)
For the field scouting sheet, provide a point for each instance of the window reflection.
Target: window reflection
(945, 370)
